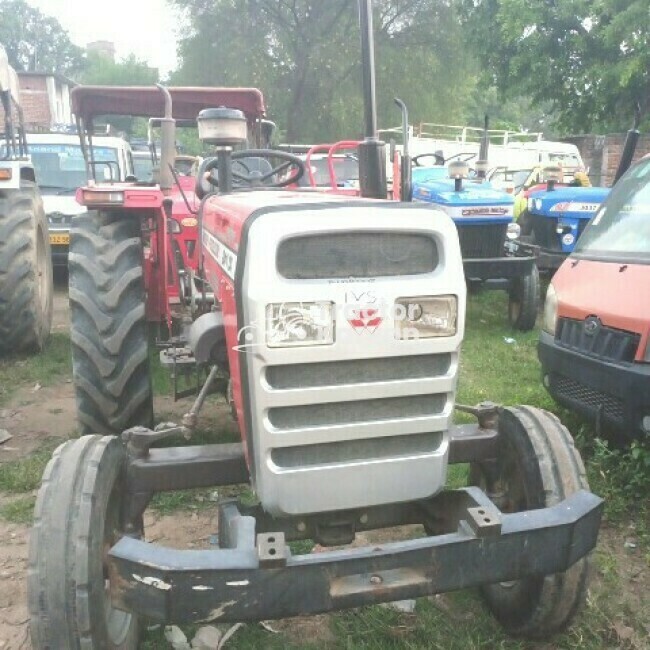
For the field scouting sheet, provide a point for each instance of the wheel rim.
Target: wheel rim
(118, 623)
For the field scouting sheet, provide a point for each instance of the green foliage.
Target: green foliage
(36, 42)
(590, 59)
(18, 511)
(100, 70)
(305, 57)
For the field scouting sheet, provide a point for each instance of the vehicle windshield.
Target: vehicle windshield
(62, 167)
(143, 167)
(620, 230)
(346, 168)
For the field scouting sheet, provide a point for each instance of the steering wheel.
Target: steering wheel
(257, 178)
(439, 160)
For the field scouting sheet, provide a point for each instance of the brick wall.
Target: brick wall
(602, 154)
(35, 102)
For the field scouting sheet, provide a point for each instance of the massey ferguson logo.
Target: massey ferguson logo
(484, 211)
(364, 319)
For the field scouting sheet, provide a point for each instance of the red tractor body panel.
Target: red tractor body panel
(224, 220)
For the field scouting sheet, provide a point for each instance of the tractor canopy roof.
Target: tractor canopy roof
(149, 101)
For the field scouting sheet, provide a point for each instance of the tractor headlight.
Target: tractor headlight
(425, 317)
(513, 231)
(293, 324)
(531, 204)
(549, 321)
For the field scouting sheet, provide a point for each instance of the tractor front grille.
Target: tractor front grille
(604, 343)
(357, 255)
(581, 396)
(340, 373)
(545, 231)
(482, 240)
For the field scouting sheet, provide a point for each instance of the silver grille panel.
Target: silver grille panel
(346, 413)
(341, 373)
(348, 451)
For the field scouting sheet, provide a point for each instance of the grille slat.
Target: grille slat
(573, 391)
(356, 254)
(287, 418)
(357, 371)
(605, 343)
(348, 451)
(482, 240)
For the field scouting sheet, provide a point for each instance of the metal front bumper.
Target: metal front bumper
(497, 268)
(256, 578)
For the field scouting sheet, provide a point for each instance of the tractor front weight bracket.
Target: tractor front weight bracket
(254, 576)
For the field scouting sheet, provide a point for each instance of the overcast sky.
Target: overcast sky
(145, 27)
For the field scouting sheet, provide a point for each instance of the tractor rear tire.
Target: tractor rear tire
(110, 352)
(537, 466)
(78, 516)
(523, 301)
(26, 289)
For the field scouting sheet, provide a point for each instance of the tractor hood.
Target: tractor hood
(618, 294)
(572, 202)
(475, 200)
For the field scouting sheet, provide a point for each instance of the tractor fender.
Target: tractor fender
(207, 337)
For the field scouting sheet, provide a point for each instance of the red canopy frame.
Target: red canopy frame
(149, 101)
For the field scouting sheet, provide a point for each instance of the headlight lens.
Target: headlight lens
(294, 324)
(531, 204)
(514, 230)
(549, 321)
(425, 317)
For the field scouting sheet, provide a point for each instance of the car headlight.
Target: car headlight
(293, 324)
(425, 317)
(531, 204)
(549, 321)
(514, 230)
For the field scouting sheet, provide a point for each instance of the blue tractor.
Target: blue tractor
(555, 218)
(484, 219)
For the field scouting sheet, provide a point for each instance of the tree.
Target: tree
(36, 42)
(589, 58)
(305, 56)
(101, 70)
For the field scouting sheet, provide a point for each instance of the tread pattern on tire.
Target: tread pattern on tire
(24, 322)
(562, 473)
(64, 600)
(108, 324)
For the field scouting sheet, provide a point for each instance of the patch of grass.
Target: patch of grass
(19, 511)
(52, 366)
(24, 474)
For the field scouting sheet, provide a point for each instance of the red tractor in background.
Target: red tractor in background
(127, 272)
(338, 321)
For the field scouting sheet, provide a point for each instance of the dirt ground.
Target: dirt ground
(46, 415)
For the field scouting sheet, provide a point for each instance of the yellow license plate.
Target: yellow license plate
(60, 240)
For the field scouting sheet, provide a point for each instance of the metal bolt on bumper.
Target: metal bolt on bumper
(255, 576)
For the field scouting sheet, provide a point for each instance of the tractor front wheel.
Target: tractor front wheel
(537, 466)
(26, 290)
(78, 517)
(523, 298)
(110, 344)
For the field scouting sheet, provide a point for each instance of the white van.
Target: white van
(60, 169)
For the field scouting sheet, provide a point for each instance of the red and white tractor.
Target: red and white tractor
(339, 322)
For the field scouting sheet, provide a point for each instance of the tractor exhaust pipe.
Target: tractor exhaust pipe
(167, 142)
(629, 148)
(372, 152)
(482, 162)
